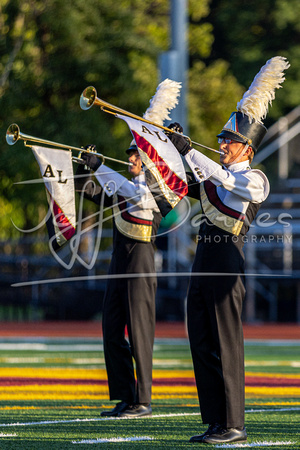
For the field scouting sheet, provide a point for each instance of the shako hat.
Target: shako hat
(163, 101)
(245, 125)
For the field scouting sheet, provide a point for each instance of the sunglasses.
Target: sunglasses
(227, 141)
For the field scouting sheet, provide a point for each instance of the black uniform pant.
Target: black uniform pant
(130, 301)
(214, 308)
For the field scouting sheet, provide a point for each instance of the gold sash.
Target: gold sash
(217, 213)
(129, 225)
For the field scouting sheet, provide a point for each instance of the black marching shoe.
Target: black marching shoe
(218, 434)
(116, 410)
(210, 430)
(136, 410)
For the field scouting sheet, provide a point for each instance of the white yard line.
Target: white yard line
(155, 416)
(105, 441)
(8, 435)
(255, 444)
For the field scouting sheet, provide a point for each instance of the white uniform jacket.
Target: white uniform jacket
(226, 196)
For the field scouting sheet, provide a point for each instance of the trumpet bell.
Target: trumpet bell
(12, 134)
(87, 98)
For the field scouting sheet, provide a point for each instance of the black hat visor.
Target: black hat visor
(226, 134)
(132, 148)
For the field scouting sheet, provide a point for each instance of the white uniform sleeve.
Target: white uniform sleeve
(136, 193)
(201, 165)
(251, 185)
(110, 180)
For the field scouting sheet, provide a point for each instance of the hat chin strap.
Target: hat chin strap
(239, 155)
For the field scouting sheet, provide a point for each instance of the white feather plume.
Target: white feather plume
(164, 99)
(256, 100)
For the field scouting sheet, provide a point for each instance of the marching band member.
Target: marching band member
(129, 300)
(230, 196)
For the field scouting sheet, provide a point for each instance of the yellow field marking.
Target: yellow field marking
(63, 407)
(258, 403)
(272, 391)
(273, 375)
(79, 392)
(77, 388)
(100, 374)
(173, 373)
(53, 372)
(80, 373)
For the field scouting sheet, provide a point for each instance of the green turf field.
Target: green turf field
(53, 391)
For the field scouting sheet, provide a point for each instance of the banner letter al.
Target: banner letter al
(57, 172)
(164, 169)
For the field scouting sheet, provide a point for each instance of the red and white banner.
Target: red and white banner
(163, 166)
(57, 172)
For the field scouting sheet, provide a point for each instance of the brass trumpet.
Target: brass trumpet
(89, 98)
(13, 134)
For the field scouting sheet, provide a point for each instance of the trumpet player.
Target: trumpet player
(230, 195)
(128, 301)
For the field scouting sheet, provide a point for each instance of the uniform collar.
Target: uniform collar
(237, 167)
(140, 178)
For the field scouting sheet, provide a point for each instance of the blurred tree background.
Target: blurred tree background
(50, 50)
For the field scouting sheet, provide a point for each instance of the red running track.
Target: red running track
(163, 330)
